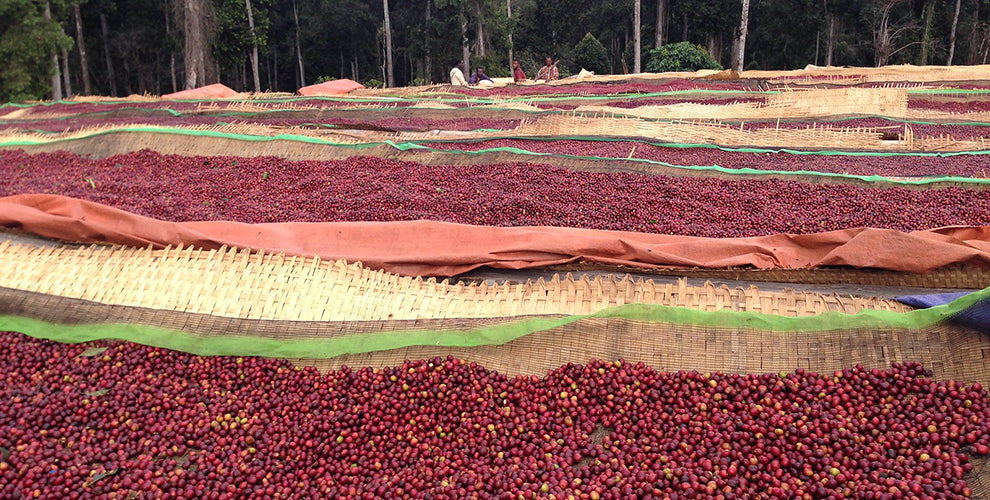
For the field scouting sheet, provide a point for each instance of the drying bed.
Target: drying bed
(172, 425)
(267, 189)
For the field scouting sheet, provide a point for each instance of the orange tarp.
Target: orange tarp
(215, 91)
(333, 87)
(426, 248)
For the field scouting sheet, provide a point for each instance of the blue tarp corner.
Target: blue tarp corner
(976, 316)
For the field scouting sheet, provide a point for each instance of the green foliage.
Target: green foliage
(591, 55)
(324, 79)
(787, 35)
(682, 56)
(495, 66)
(374, 83)
(27, 43)
(233, 39)
(337, 38)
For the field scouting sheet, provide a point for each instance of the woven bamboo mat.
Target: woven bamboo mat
(950, 351)
(242, 284)
(701, 132)
(890, 102)
(796, 104)
(950, 277)
(893, 73)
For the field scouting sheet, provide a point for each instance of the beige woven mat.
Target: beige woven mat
(241, 284)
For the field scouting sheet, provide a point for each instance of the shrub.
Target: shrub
(495, 66)
(682, 56)
(591, 55)
(374, 83)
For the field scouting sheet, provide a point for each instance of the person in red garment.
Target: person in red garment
(518, 74)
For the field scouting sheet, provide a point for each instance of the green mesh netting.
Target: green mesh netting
(250, 345)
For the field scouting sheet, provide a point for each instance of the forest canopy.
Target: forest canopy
(55, 48)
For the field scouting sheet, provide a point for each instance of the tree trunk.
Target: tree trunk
(974, 40)
(952, 34)
(254, 47)
(926, 39)
(637, 32)
(65, 73)
(189, 48)
(882, 43)
(83, 60)
(171, 51)
(429, 55)
(127, 81)
(480, 30)
(831, 27)
(57, 75)
(465, 49)
(740, 52)
(715, 46)
(616, 47)
(830, 40)
(380, 54)
(106, 54)
(508, 10)
(818, 39)
(661, 32)
(389, 68)
(56, 80)
(195, 42)
(302, 74)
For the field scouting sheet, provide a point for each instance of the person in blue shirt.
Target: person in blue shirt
(479, 76)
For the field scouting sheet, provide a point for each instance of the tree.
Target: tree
(242, 28)
(637, 44)
(976, 36)
(682, 56)
(708, 22)
(171, 48)
(740, 52)
(661, 27)
(27, 43)
(508, 13)
(390, 68)
(56, 77)
(784, 34)
(254, 46)
(302, 74)
(590, 54)
(887, 30)
(952, 33)
(928, 15)
(111, 77)
(197, 20)
(459, 9)
(831, 29)
(81, 45)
